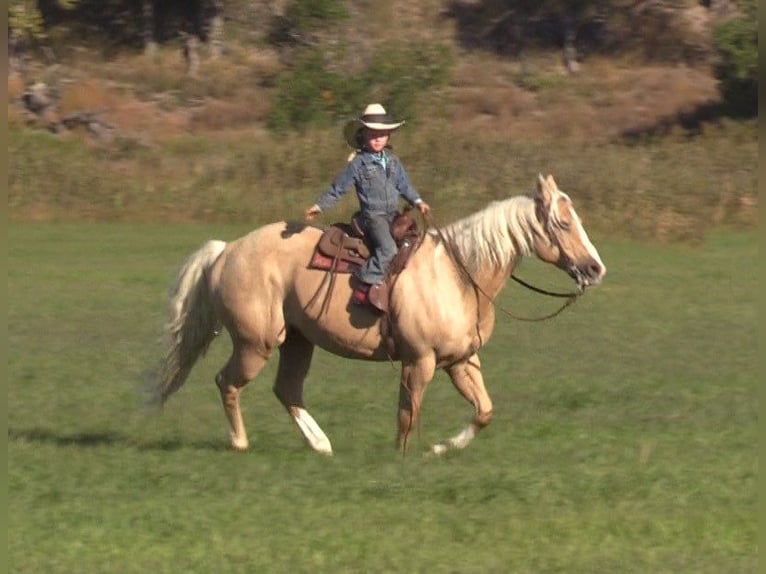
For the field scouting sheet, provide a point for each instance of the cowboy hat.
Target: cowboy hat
(374, 117)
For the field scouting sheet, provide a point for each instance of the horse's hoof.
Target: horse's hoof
(323, 447)
(239, 446)
(438, 449)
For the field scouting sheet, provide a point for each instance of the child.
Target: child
(379, 179)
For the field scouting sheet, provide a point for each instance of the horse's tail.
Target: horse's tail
(192, 323)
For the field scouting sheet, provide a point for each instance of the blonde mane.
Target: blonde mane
(495, 235)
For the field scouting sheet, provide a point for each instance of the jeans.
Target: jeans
(377, 229)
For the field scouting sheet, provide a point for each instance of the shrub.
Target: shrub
(736, 43)
(401, 73)
(309, 94)
(314, 94)
(307, 13)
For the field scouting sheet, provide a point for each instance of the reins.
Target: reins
(571, 297)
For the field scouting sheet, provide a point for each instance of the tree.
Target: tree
(144, 23)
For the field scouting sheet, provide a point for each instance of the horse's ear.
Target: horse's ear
(543, 189)
(551, 182)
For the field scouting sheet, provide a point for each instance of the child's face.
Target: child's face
(376, 140)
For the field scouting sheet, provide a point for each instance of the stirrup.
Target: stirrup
(360, 296)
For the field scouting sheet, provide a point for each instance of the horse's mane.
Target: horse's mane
(496, 234)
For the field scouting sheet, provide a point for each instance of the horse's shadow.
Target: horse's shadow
(106, 438)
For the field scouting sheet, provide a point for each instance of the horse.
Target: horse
(261, 290)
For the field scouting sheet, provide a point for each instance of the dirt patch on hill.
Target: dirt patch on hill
(534, 98)
(605, 100)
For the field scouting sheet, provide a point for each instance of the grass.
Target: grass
(623, 441)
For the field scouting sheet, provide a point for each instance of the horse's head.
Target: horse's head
(564, 241)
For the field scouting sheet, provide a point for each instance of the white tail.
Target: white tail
(191, 325)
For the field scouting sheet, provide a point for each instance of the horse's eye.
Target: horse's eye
(564, 225)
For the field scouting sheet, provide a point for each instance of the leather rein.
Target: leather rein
(571, 297)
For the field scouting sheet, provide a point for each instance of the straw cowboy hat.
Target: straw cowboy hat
(374, 117)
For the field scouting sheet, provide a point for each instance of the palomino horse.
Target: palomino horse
(260, 289)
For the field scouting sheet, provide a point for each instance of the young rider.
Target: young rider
(379, 179)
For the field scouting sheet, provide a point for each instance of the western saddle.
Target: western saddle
(342, 248)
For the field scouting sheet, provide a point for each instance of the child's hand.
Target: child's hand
(424, 208)
(312, 212)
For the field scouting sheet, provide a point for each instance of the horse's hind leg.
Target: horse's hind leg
(294, 361)
(245, 363)
(467, 378)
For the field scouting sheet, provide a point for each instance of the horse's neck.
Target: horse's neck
(491, 241)
(487, 279)
(482, 272)
(492, 280)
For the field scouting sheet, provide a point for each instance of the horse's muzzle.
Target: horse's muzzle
(587, 273)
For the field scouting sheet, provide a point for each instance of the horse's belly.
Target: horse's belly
(344, 339)
(337, 325)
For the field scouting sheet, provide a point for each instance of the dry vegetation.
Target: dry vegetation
(535, 98)
(621, 135)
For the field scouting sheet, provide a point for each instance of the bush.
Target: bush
(306, 14)
(314, 94)
(401, 73)
(736, 43)
(310, 94)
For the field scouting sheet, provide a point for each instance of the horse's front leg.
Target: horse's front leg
(415, 378)
(467, 378)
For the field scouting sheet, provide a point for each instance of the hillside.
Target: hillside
(132, 107)
(530, 93)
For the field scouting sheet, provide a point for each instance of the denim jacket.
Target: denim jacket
(377, 188)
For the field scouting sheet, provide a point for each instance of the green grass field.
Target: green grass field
(624, 437)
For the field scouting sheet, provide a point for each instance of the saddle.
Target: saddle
(342, 248)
